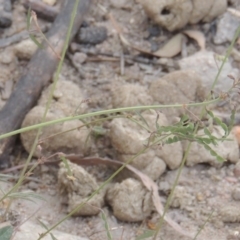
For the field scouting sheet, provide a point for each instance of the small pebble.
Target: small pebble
(92, 35)
(33, 185)
(164, 186)
(25, 49)
(236, 170)
(79, 58)
(44, 168)
(200, 196)
(236, 194)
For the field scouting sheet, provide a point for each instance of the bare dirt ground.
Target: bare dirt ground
(204, 193)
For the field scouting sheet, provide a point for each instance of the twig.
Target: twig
(37, 75)
(43, 10)
(5, 42)
(128, 58)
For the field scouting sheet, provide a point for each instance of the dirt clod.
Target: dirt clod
(130, 200)
(77, 185)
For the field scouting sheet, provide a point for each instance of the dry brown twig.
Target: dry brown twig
(37, 75)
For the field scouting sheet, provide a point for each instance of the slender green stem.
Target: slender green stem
(66, 43)
(92, 114)
(92, 195)
(195, 131)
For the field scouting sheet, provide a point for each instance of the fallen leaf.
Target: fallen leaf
(197, 36)
(172, 47)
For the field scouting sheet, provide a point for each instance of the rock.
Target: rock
(78, 187)
(66, 101)
(200, 8)
(129, 95)
(230, 213)
(92, 35)
(5, 13)
(25, 49)
(204, 65)
(177, 87)
(234, 4)
(25, 232)
(150, 164)
(50, 2)
(217, 9)
(226, 28)
(174, 14)
(226, 149)
(181, 198)
(236, 194)
(129, 138)
(167, 13)
(130, 201)
(79, 58)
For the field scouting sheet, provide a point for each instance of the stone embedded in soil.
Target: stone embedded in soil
(236, 194)
(174, 14)
(30, 230)
(92, 35)
(230, 213)
(150, 164)
(226, 28)
(66, 102)
(227, 149)
(77, 187)
(129, 95)
(25, 49)
(177, 87)
(204, 65)
(130, 200)
(5, 13)
(181, 198)
(128, 138)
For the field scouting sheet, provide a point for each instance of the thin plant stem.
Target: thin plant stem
(21, 178)
(195, 131)
(116, 110)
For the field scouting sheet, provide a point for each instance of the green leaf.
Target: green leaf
(213, 153)
(207, 132)
(172, 140)
(232, 119)
(106, 226)
(207, 140)
(6, 233)
(98, 131)
(146, 234)
(184, 119)
(209, 113)
(142, 118)
(223, 125)
(66, 165)
(35, 41)
(28, 18)
(45, 226)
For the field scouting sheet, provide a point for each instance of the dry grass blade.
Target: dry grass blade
(147, 182)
